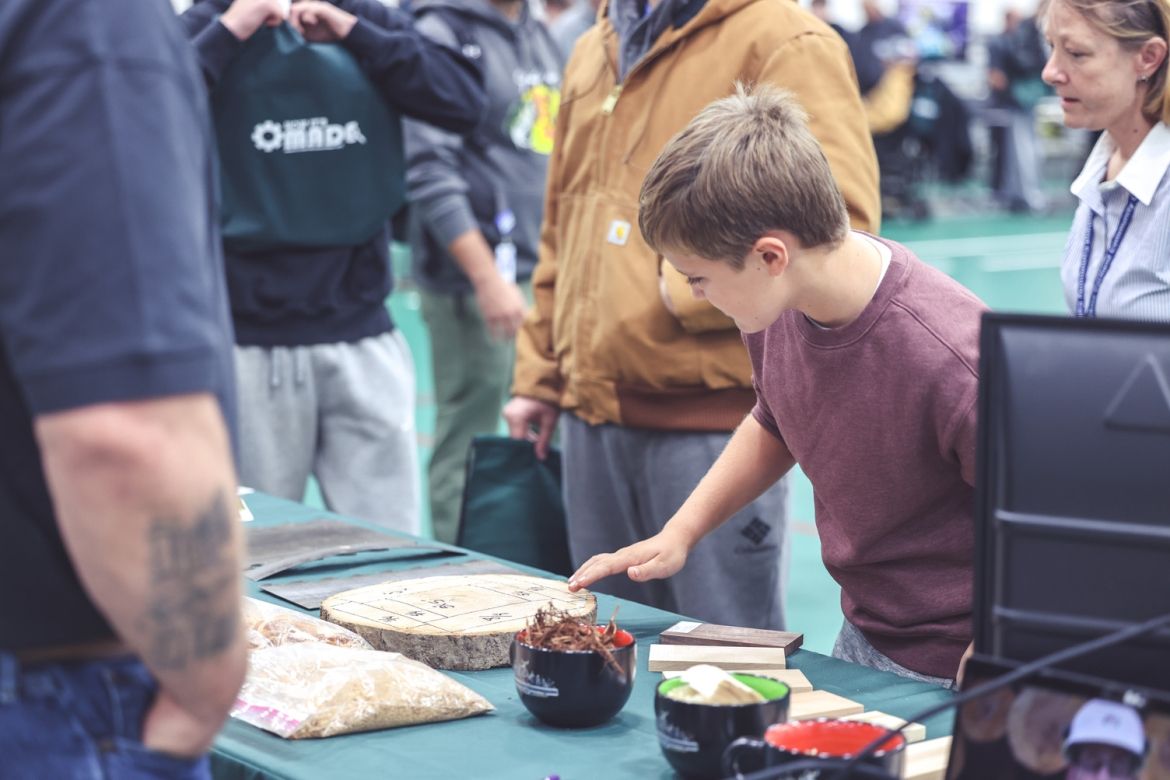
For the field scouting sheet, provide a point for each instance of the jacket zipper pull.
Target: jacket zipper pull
(611, 100)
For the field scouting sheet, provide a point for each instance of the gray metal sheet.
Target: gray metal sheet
(277, 548)
(310, 593)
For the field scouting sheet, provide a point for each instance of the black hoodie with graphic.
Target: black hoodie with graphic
(331, 295)
(457, 183)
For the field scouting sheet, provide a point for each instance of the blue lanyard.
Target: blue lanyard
(1110, 253)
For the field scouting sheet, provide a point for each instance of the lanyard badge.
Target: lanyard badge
(1106, 262)
(506, 250)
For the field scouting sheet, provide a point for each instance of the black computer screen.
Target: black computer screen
(1073, 491)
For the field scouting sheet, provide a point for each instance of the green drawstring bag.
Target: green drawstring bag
(310, 154)
(512, 505)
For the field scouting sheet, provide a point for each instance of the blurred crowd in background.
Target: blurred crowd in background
(962, 121)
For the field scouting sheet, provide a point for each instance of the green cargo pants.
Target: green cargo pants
(473, 377)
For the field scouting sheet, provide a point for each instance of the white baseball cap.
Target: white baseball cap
(1104, 722)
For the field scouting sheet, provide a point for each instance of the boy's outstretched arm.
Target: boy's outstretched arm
(751, 463)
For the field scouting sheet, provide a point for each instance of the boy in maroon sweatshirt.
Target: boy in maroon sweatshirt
(865, 367)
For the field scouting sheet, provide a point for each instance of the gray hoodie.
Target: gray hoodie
(459, 183)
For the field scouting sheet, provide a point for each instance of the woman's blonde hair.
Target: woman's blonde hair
(1131, 23)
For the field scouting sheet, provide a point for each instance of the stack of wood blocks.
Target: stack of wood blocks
(756, 651)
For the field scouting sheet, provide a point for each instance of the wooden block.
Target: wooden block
(689, 633)
(927, 760)
(793, 678)
(915, 732)
(668, 658)
(821, 704)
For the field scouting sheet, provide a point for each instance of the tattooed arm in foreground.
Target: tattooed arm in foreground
(144, 493)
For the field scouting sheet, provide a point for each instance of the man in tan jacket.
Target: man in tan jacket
(654, 381)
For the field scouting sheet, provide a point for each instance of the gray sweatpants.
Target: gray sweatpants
(851, 645)
(341, 412)
(621, 485)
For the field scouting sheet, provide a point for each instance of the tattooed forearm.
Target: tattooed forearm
(193, 607)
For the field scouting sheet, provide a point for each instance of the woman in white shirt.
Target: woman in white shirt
(1108, 66)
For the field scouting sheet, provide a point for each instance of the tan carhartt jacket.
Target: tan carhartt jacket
(599, 342)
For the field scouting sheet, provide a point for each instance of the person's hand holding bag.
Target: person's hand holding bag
(321, 22)
(244, 17)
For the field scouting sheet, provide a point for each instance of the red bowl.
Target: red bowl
(829, 738)
(804, 740)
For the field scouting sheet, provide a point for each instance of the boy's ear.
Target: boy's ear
(772, 252)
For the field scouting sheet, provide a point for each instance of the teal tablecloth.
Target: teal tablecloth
(510, 743)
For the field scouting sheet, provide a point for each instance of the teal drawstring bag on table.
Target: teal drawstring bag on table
(310, 154)
(512, 505)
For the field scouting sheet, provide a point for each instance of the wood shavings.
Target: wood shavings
(553, 629)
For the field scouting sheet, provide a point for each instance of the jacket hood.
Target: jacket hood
(481, 11)
(687, 16)
(684, 18)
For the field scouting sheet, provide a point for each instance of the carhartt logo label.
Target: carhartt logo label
(305, 135)
(619, 232)
(756, 530)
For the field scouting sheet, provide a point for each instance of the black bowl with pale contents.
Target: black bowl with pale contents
(693, 736)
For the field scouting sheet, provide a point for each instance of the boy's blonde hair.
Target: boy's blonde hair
(1131, 23)
(747, 164)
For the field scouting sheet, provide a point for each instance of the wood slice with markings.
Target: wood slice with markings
(461, 622)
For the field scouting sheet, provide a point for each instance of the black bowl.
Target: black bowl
(694, 736)
(574, 688)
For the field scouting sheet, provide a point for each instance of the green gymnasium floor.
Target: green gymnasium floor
(1010, 262)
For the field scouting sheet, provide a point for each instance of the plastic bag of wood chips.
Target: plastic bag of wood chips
(271, 626)
(319, 690)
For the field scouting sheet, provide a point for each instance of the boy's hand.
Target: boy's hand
(321, 22)
(533, 420)
(655, 558)
(245, 17)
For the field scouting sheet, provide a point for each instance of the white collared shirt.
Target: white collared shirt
(1137, 285)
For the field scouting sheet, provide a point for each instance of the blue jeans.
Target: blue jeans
(81, 721)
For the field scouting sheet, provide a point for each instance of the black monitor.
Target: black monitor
(1072, 509)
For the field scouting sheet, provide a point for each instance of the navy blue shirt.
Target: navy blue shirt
(111, 274)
